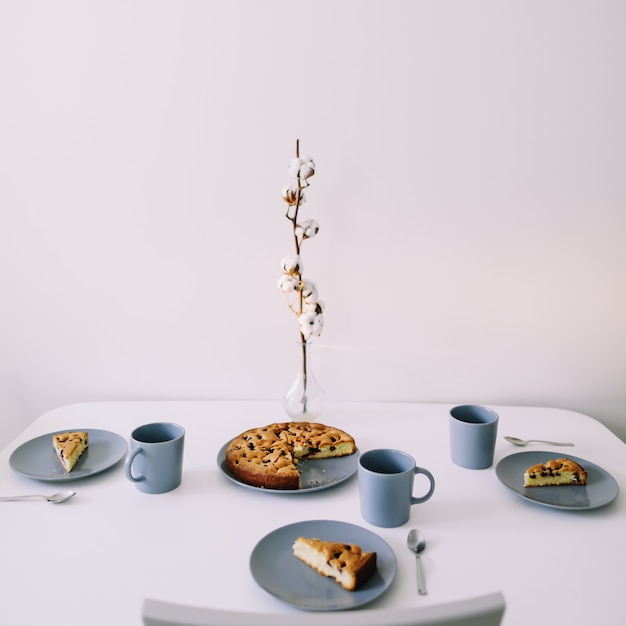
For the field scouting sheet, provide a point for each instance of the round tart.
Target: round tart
(267, 456)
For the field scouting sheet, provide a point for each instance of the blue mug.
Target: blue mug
(386, 479)
(155, 461)
(473, 431)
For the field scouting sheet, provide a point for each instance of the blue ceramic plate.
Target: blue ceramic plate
(600, 490)
(315, 474)
(37, 459)
(281, 574)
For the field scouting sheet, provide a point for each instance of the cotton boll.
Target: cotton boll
(294, 167)
(311, 324)
(309, 292)
(288, 283)
(307, 229)
(291, 264)
(302, 167)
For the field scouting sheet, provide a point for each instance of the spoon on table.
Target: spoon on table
(55, 498)
(416, 542)
(524, 442)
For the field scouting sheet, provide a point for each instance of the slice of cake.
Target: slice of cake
(70, 447)
(554, 473)
(346, 563)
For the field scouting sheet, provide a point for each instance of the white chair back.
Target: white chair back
(486, 610)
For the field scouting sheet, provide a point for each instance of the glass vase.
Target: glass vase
(305, 399)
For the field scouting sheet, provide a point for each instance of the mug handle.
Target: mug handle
(128, 466)
(421, 470)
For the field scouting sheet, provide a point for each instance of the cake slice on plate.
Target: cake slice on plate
(346, 563)
(555, 473)
(69, 447)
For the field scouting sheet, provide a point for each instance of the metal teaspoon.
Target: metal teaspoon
(523, 442)
(55, 498)
(416, 542)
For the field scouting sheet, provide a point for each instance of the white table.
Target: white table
(111, 546)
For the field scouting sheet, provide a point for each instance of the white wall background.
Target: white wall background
(470, 188)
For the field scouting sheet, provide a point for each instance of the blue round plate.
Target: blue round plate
(37, 459)
(280, 573)
(600, 490)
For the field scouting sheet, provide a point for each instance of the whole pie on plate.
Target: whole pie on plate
(345, 562)
(554, 473)
(267, 457)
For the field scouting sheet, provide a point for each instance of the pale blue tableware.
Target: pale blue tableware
(386, 479)
(155, 461)
(601, 488)
(37, 459)
(473, 431)
(275, 569)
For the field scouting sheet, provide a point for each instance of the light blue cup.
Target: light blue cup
(386, 479)
(155, 461)
(473, 431)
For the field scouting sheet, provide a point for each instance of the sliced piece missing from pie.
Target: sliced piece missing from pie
(346, 563)
(70, 447)
(554, 473)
